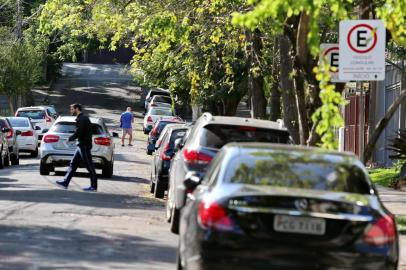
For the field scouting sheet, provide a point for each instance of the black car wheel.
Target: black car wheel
(175, 220)
(7, 161)
(34, 153)
(149, 152)
(107, 171)
(15, 159)
(1, 161)
(159, 191)
(151, 184)
(44, 169)
(178, 261)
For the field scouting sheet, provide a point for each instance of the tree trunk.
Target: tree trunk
(275, 91)
(290, 114)
(256, 79)
(383, 122)
(11, 104)
(301, 106)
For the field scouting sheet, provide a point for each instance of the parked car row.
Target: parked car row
(240, 196)
(21, 134)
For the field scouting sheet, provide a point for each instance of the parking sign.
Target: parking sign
(330, 53)
(362, 50)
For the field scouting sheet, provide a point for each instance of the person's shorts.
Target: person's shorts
(128, 131)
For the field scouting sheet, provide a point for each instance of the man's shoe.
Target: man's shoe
(122, 145)
(62, 184)
(90, 189)
(130, 144)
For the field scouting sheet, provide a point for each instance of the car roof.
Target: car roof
(32, 108)
(271, 147)
(93, 120)
(240, 121)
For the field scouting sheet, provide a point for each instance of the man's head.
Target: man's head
(75, 109)
(129, 109)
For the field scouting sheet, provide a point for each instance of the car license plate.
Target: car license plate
(303, 225)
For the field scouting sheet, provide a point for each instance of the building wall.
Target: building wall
(387, 91)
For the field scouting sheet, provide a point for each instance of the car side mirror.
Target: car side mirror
(192, 180)
(37, 128)
(5, 130)
(18, 132)
(115, 135)
(178, 144)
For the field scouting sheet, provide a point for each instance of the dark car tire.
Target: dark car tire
(15, 159)
(149, 152)
(175, 221)
(178, 261)
(6, 161)
(1, 161)
(107, 171)
(159, 191)
(44, 169)
(151, 184)
(34, 153)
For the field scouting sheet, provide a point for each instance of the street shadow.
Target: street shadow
(127, 158)
(128, 179)
(90, 199)
(60, 248)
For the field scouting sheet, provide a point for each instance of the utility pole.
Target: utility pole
(19, 20)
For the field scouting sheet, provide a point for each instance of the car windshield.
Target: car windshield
(161, 111)
(19, 122)
(216, 135)
(307, 171)
(70, 127)
(162, 99)
(33, 114)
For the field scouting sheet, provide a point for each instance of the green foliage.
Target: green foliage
(384, 176)
(401, 224)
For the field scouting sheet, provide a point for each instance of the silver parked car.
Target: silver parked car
(57, 151)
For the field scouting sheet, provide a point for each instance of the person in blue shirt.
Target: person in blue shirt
(126, 121)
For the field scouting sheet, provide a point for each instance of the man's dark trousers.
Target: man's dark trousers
(82, 153)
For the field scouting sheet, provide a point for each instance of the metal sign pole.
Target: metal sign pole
(361, 123)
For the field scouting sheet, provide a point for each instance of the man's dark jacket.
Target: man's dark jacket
(83, 131)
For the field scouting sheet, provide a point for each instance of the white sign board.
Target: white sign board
(362, 50)
(330, 54)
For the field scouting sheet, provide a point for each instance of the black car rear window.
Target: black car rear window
(33, 114)
(155, 93)
(3, 123)
(216, 135)
(69, 127)
(162, 99)
(298, 171)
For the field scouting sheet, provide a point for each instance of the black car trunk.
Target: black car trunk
(301, 220)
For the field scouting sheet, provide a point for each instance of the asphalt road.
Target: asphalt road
(120, 227)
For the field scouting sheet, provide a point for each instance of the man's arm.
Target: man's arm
(80, 126)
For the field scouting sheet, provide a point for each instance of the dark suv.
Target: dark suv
(156, 132)
(208, 135)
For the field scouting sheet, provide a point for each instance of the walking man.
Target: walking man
(126, 121)
(82, 154)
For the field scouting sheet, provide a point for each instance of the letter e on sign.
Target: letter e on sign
(330, 53)
(362, 50)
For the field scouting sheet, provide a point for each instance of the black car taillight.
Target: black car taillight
(380, 232)
(214, 216)
(196, 157)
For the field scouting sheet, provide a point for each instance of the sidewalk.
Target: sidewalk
(395, 201)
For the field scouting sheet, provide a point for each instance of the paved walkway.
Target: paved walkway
(395, 201)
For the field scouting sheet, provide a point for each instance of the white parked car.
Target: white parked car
(153, 92)
(57, 151)
(154, 114)
(41, 116)
(28, 137)
(160, 101)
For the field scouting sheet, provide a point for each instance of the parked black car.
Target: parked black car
(156, 132)
(207, 136)
(11, 136)
(4, 149)
(162, 157)
(268, 206)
